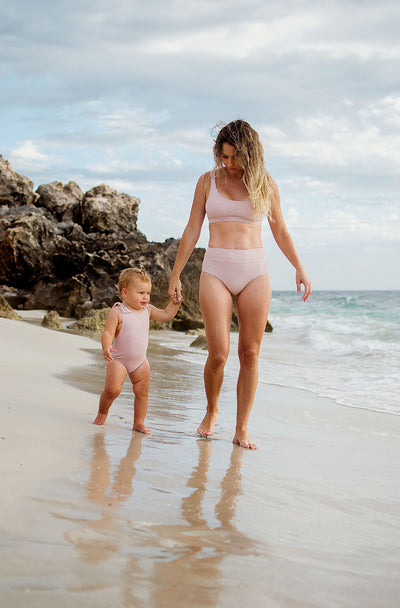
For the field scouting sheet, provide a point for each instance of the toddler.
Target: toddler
(124, 341)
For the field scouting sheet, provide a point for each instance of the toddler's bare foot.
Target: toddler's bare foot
(243, 440)
(141, 428)
(206, 427)
(100, 419)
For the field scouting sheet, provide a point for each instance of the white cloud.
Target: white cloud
(385, 110)
(351, 49)
(292, 216)
(237, 40)
(380, 225)
(28, 150)
(367, 137)
(28, 157)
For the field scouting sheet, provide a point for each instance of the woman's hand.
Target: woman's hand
(175, 290)
(302, 279)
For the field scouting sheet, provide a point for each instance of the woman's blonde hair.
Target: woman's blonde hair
(132, 274)
(249, 154)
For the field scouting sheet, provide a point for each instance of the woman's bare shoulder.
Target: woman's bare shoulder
(205, 178)
(203, 184)
(273, 182)
(275, 190)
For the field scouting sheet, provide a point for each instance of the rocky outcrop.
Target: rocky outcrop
(7, 312)
(15, 189)
(61, 201)
(106, 211)
(200, 342)
(94, 321)
(62, 249)
(52, 320)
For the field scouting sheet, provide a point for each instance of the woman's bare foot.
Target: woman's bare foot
(243, 440)
(141, 428)
(206, 427)
(100, 419)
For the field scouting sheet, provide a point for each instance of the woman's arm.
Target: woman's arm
(190, 235)
(286, 245)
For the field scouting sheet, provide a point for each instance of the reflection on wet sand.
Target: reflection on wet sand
(194, 574)
(163, 562)
(99, 539)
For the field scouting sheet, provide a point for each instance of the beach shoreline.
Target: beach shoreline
(107, 516)
(41, 415)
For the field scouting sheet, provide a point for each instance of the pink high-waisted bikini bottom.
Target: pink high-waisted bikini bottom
(235, 267)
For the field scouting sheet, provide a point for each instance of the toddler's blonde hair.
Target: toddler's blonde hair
(136, 273)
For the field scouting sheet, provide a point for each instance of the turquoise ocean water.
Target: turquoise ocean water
(340, 344)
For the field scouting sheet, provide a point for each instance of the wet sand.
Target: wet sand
(100, 516)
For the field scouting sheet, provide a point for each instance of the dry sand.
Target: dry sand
(101, 517)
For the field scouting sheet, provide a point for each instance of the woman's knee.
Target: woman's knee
(248, 356)
(217, 359)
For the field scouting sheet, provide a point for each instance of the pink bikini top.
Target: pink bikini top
(222, 209)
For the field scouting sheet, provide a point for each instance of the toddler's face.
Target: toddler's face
(137, 294)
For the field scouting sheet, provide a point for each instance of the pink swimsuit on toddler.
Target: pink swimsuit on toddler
(133, 339)
(234, 267)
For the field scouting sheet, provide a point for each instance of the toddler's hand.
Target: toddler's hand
(177, 300)
(107, 354)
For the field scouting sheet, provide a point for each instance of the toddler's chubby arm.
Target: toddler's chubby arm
(110, 332)
(166, 314)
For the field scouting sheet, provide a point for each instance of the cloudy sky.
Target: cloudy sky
(127, 93)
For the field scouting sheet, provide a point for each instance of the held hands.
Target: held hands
(174, 304)
(175, 291)
(302, 279)
(176, 300)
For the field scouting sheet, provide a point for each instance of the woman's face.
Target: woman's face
(229, 161)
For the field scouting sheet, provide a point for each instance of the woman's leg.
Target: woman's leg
(140, 379)
(253, 307)
(115, 376)
(216, 308)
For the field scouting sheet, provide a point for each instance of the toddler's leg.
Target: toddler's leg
(140, 379)
(115, 376)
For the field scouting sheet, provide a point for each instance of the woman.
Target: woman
(235, 197)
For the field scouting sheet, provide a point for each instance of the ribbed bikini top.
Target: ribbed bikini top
(222, 209)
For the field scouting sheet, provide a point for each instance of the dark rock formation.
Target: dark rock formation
(62, 249)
